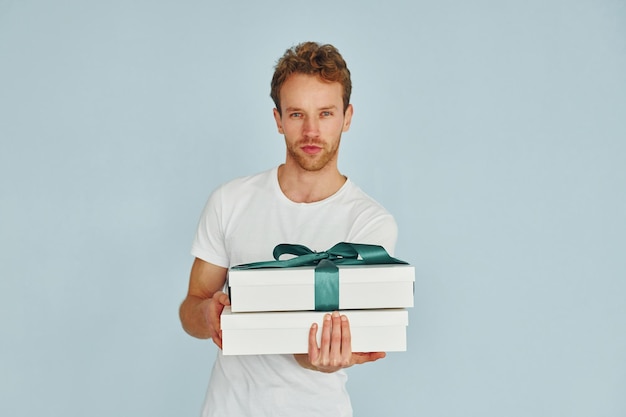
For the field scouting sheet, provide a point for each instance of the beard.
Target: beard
(314, 162)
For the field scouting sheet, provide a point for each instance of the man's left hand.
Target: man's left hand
(335, 349)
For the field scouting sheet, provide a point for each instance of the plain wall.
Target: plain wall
(493, 130)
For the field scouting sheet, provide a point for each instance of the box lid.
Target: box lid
(305, 275)
(357, 318)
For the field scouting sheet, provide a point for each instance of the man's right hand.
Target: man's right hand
(201, 310)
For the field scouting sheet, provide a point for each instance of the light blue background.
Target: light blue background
(494, 131)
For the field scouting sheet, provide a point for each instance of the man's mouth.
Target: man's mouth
(311, 149)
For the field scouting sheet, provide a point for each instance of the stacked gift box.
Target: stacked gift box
(272, 308)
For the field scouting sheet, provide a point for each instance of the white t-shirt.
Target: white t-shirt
(242, 222)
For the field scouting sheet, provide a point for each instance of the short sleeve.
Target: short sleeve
(208, 243)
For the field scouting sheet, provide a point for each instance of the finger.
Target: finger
(217, 339)
(363, 357)
(325, 342)
(215, 311)
(223, 298)
(346, 341)
(314, 351)
(335, 340)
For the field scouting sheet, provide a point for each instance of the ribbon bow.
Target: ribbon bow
(326, 271)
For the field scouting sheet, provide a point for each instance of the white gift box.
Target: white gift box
(288, 332)
(293, 289)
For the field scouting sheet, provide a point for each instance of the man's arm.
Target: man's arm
(335, 350)
(200, 311)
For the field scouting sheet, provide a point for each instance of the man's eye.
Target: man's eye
(296, 115)
(326, 114)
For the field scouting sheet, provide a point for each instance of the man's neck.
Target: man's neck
(302, 186)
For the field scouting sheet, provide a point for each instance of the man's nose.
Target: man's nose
(311, 127)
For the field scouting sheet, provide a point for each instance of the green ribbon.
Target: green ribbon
(326, 271)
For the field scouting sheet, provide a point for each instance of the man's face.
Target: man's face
(312, 121)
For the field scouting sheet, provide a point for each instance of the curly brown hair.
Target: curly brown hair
(312, 58)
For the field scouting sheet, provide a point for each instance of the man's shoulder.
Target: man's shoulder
(258, 180)
(363, 199)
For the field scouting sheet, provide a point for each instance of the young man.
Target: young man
(307, 201)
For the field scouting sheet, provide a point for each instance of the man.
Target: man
(307, 201)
